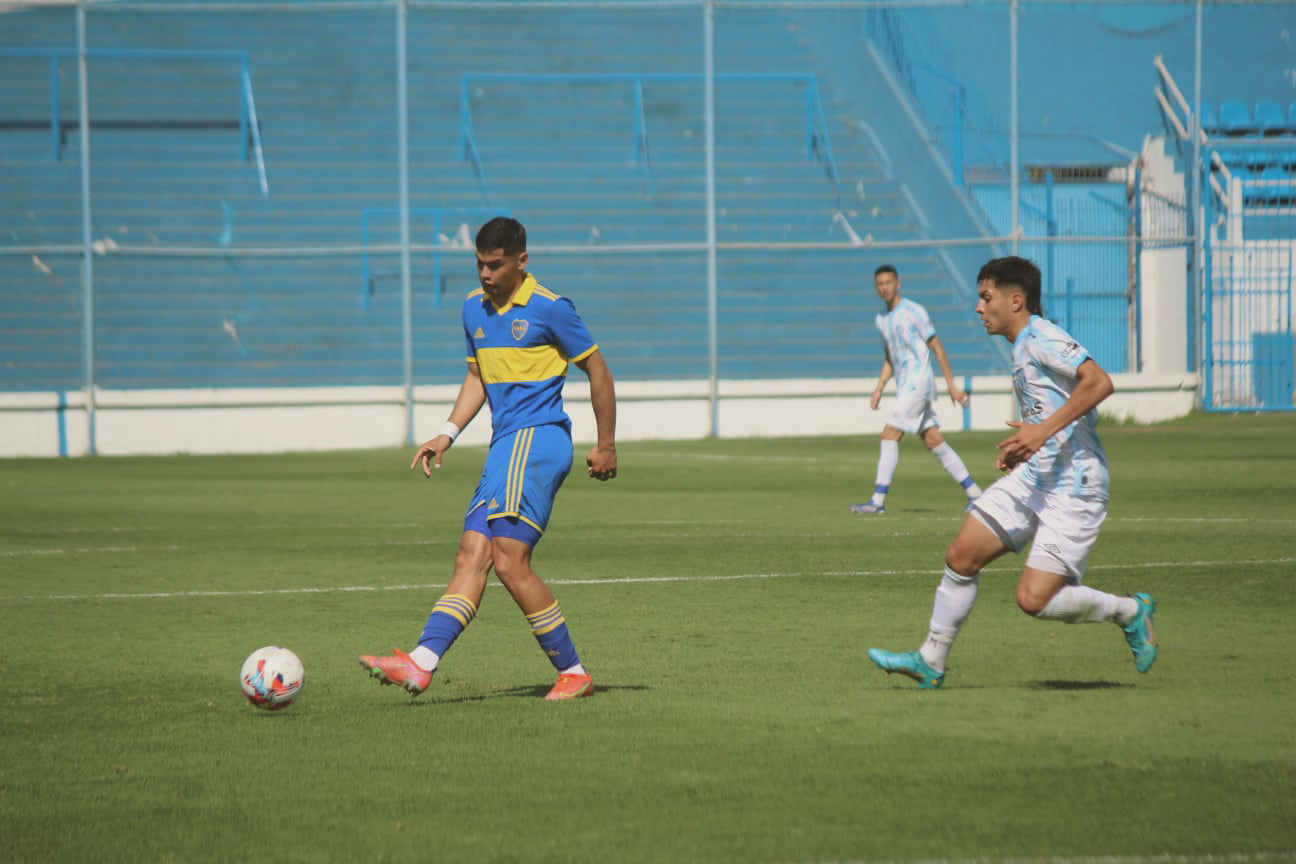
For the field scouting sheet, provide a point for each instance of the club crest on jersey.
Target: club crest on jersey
(520, 327)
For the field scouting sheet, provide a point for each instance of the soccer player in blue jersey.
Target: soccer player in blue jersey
(520, 338)
(1055, 497)
(910, 339)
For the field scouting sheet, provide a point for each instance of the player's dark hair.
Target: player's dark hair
(1016, 273)
(885, 268)
(502, 233)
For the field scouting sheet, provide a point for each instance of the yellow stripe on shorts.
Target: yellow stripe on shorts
(517, 470)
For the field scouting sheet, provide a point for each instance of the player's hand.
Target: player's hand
(429, 453)
(876, 400)
(959, 395)
(1017, 448)
(601, 463)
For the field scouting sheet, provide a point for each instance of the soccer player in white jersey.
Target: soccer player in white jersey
(910, 340)
(1055, 495)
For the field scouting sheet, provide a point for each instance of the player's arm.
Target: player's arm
(472, 395)
(1093, 385)
(883, 377)
(955, 391)
(602, 458)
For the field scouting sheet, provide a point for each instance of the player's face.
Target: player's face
(887, 286)
(500, 274)
(996, 308)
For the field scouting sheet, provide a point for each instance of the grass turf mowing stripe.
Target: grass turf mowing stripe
(628, 580)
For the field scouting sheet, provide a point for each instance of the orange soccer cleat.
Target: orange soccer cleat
(571, 686)
(398, 669)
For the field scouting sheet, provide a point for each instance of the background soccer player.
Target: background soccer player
(1056, 494)
(910, 340)
(520, 338)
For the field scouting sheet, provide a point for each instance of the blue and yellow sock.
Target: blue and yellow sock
(451, 614)
(550, 629)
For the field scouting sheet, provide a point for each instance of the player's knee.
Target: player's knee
(512, 562)
(960, 559)
(1031, 602)
(475, 558)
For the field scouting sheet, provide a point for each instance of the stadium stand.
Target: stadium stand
(1269, 118)
(1209, 122)
(1234, 119)
(169, 173)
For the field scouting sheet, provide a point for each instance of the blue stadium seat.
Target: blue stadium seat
(1279, 186)
(1269, 118)
(1291, 116)
(1237, 165)
(1234, 119)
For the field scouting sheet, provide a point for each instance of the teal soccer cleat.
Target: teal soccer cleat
(1140, 635)
(909, 663)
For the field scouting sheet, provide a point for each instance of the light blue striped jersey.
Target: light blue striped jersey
(905, 330)
(1044, 360)
(522, 351)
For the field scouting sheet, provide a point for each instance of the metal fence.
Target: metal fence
(332, 153)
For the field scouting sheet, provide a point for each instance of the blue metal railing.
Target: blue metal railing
(369, 215)
(249, 131)
(895, 32)
(956, 93)
(817, 142)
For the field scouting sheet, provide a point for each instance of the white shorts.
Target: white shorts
(913, 414)
(1063, 526)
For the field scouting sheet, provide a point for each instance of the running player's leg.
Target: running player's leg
(453, 612)
(1005, 525)
(457, 607)
(1050, 585)
(949, 459)
(540, 463)
(888, 458)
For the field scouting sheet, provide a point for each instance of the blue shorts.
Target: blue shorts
(524, 471)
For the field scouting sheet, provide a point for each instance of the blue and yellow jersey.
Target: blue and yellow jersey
(522, 351)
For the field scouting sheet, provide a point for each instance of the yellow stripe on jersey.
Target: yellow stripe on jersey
(509, 365)
(543, 292)
(587, 352)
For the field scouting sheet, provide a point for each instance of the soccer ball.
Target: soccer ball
(272, 677)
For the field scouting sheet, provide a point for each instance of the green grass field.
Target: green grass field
(724, 598)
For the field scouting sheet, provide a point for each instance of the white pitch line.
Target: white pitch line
(84, 550)
(627, 580)
(1166, 858)
(14, 553)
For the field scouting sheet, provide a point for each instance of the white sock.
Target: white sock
(954, 466)
(888, 458)
(425, 658)
(954, 598)
(578, 669)
(1076, 604)
(1126, 609)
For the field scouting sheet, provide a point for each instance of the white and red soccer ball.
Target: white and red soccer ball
(272, 677)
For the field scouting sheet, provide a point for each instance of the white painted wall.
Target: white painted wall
(1163, 273)
(286, 420)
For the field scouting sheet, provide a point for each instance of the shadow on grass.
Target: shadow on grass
(537, 691)
(1077, 685)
